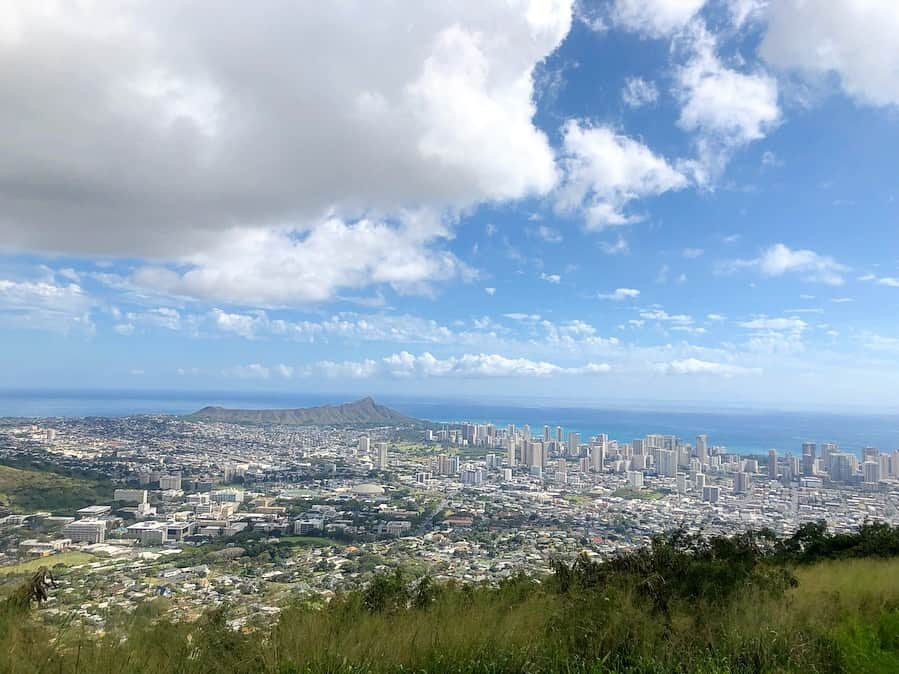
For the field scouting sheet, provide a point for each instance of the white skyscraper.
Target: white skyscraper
(667, 463)
(702, 449)
(635, 479)
(574, 443)
(741, 483)
(598, 453)
(871, 471)
(364, 444)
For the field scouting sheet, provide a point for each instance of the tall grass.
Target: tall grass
(682, 605)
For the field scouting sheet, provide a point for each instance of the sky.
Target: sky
(648, 200)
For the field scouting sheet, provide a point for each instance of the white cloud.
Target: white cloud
(745, 11)
(165, 318)
(46, 304)
(252, 371)
(780, 259)
(725, 108)
(694, 366)
(287, 268)
(770, 159)
(890, 281)
(665, 317)
(716, 317)
(620, 294)
(692, 253)
(490, 291)
(522, 317)
(853, 39)
(638, 92)
(877, 342)
(236, 141)
(775, 335)
(764, 323)
(655, 18)
(617, 247)
(605, 172)
(548, 234)
(405, 365)
(550, 278)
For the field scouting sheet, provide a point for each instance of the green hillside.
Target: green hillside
(24, 490)
(812, 603)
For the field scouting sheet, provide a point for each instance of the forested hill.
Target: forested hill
(361, 412)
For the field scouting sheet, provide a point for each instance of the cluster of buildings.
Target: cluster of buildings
(471, 502)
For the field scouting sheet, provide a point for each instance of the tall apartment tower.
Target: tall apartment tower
(809, 450)
(574, 443)
(598, 453)
(827, 450)
(772, 464)
(702, 449)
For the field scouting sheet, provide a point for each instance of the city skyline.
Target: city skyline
(649, 201)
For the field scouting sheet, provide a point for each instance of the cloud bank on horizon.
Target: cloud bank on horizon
(657, 199)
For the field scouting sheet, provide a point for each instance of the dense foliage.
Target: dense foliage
(814, 602)
(28, 489)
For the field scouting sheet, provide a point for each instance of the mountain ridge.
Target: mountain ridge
(362, 411)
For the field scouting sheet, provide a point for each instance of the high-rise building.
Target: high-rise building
(535, 454)
(828, 448)
(702, 449)
(447, 465)
(364, 444)
(598, 454)
(574, 443)
(842, 468)
(170, 482)
(871, 470)
(808, 458)
(741, 483)
(559, 435)
(870, 453)
(382, 455)
(546, 433)
(635, 479)
(667, 463)
(510, 457)
(637, 446)
(711, 493)
(681, 483)
(772, 464)
(472, 476)
(85, 531)
(886, 465)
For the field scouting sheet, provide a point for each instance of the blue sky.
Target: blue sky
(670, 200)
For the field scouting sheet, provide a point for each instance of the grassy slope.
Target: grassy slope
(842, 617)
(25, 490)
(66, 558)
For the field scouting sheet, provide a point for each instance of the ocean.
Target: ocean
(744, 431)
